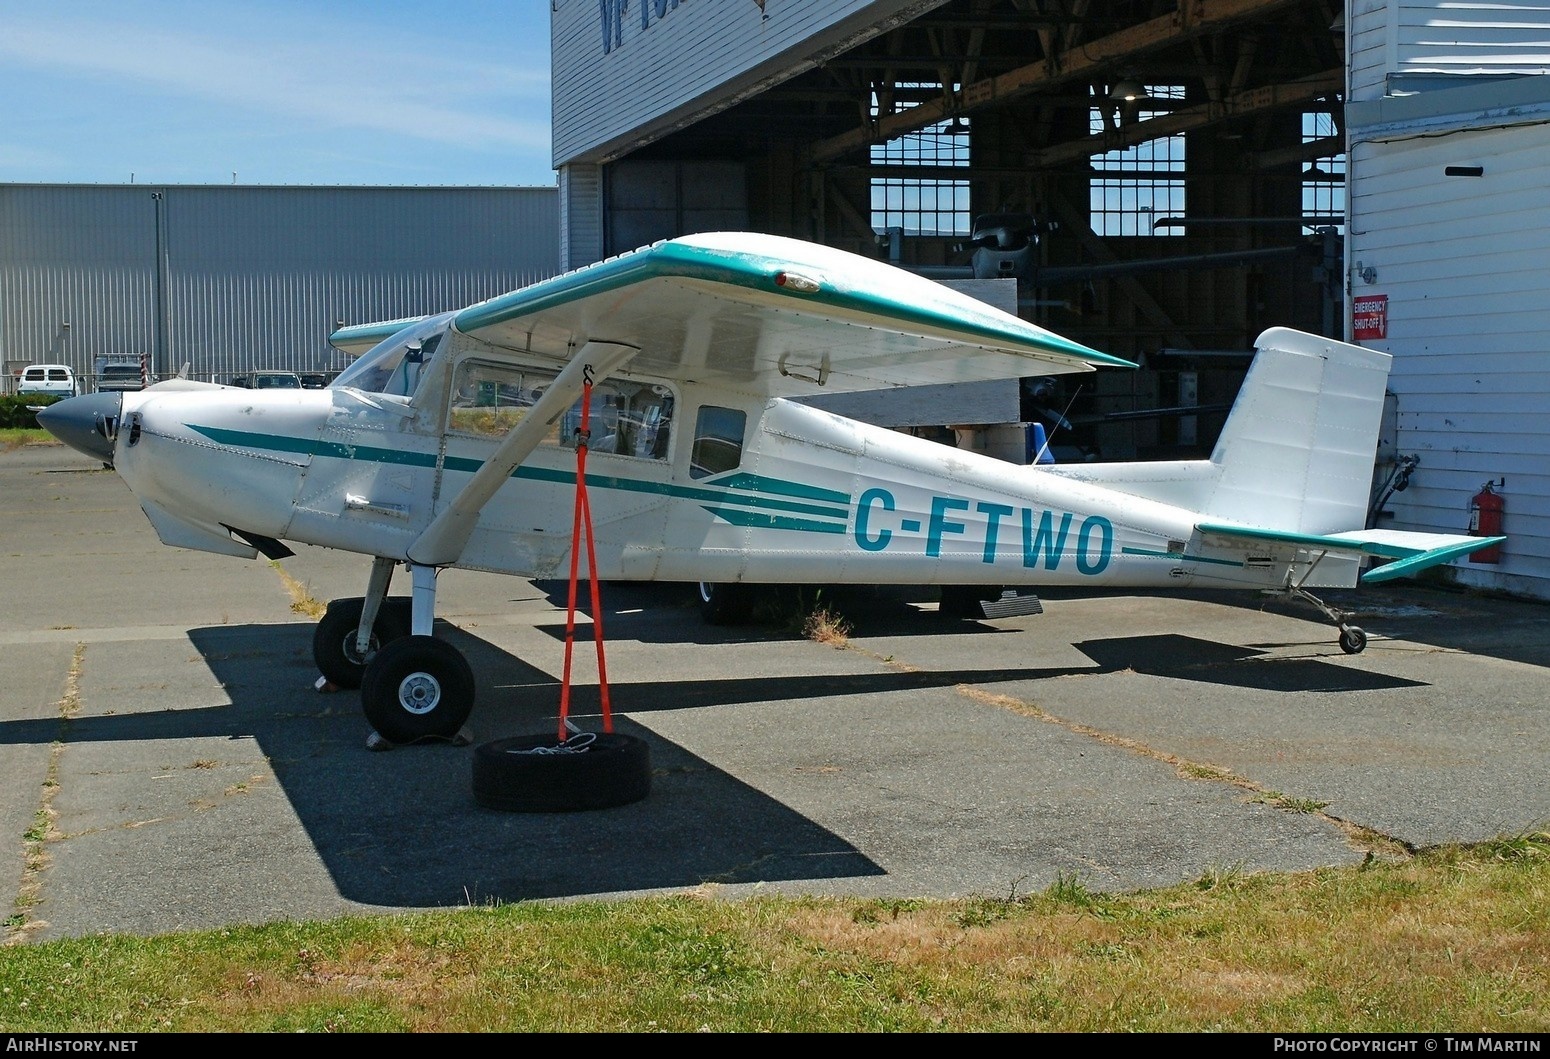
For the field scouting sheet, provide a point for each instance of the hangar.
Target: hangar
(1162, 180)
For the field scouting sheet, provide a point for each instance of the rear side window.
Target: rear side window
(58, 375)
(718, 441)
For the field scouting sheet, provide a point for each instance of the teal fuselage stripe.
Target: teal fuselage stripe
(745, 480)
(759, 520)
(1178, 556)
(714, 496)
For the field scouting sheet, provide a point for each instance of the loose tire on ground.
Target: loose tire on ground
(333, 641)
(529, 774)
(417, 687)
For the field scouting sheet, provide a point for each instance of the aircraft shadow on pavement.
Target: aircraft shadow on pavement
(1207, 661)
(1511, 629)
(402, 829)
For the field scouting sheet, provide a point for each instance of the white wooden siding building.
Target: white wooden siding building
(1448, 131)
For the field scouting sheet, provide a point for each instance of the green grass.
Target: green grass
(13, 438)
(1453, 939)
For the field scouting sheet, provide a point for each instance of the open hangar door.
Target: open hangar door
(1163, 180)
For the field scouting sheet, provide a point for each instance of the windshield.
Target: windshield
(394, 365)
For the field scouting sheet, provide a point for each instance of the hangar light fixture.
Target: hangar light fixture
(1127, 90)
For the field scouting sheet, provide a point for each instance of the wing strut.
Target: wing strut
(444, 539)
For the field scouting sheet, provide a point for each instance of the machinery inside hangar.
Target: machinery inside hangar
(1162, 179)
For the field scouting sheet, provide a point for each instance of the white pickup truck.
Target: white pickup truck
(57, 380)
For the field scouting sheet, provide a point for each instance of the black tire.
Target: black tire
(417, 687)
(333, 641)
(530, 774)
(725, 604)
(1352, 640)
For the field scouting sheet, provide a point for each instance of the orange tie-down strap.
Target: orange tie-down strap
(582, 523)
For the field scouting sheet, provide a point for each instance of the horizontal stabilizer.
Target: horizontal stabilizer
(1414, 552)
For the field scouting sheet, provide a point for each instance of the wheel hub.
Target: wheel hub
(419, 693)
(353, 655)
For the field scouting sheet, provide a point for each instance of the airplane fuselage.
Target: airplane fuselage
(808, 497)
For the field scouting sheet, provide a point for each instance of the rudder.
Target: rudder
(1298, 448)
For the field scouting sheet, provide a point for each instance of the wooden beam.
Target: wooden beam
(1186, 119)
(1191, 19)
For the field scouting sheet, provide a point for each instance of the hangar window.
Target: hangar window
(920, 203)
(1323, 181)
(1133, 187)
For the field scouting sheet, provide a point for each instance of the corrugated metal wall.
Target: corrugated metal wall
(581, 215)
(251, 277)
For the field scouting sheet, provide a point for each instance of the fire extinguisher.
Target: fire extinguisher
(1485, 520)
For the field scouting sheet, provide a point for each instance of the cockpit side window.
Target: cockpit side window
(394, 365)
(626, 418)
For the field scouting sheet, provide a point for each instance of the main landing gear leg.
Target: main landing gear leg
(352, 630)
(376, 592)
(1352, 639)
(417, 687)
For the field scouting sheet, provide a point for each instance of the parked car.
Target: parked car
(119, 378)
(268, 380)
(56, 380)
(315, 380)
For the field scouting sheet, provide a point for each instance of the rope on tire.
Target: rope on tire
(576, 744)
(582, 521)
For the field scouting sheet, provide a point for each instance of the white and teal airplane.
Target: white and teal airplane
(454, 440)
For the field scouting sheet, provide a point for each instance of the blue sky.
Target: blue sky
(450, 92)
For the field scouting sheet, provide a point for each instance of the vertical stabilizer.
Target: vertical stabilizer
(1297, 450)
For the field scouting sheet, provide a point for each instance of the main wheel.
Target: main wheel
(1352, 639)
(537, 774)
(417, 687)
(725, 604)
(333, 641)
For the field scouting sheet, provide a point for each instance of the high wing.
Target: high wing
(768, 315)
(1412, 552)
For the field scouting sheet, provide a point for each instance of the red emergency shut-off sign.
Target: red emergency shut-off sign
(1370, 316)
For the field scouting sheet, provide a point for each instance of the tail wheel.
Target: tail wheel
(333, 641)
(1352, 640)
(417, 687)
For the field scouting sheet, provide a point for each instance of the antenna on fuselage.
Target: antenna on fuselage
(1044, 439)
